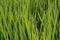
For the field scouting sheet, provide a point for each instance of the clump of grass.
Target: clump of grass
(29, 20)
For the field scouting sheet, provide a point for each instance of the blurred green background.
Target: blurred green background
(29, 19)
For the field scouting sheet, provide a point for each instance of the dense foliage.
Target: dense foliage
(29, 19)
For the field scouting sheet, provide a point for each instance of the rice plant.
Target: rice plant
(29, 19)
